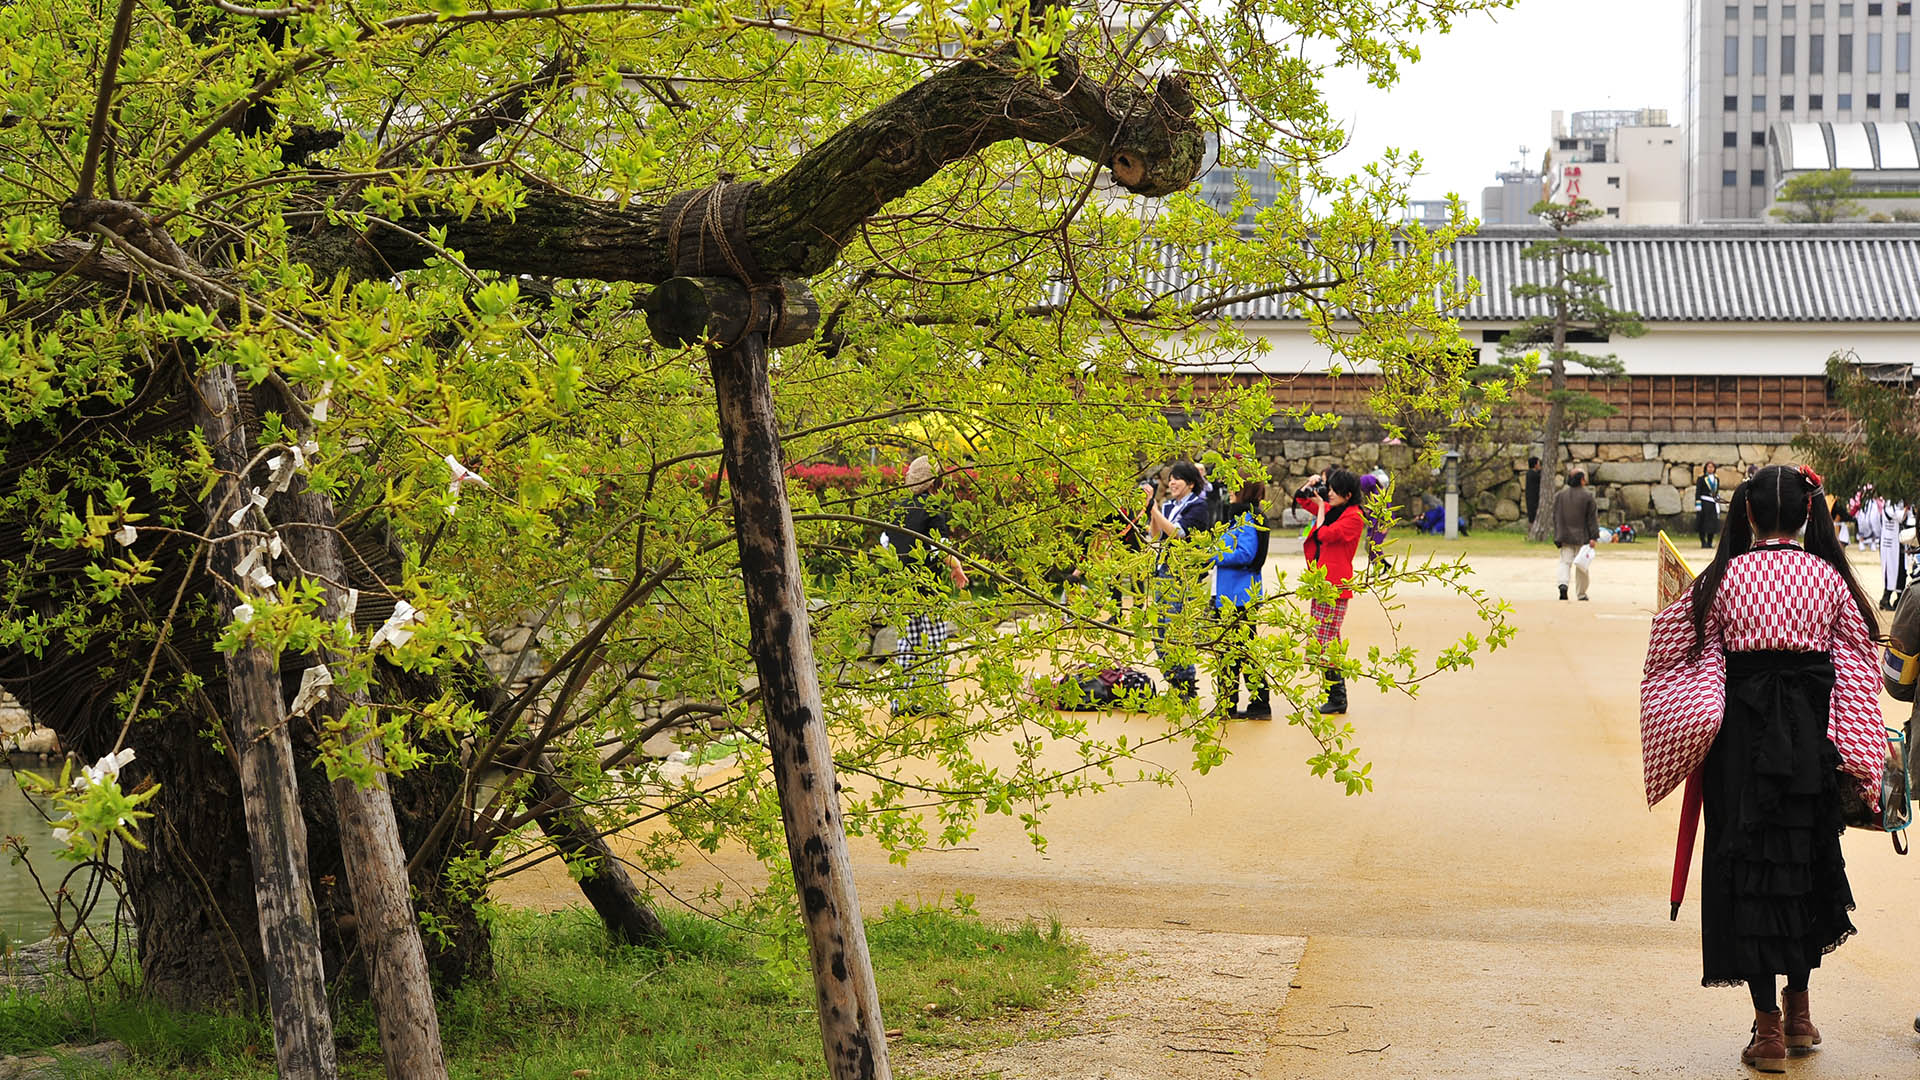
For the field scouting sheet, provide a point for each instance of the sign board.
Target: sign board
(1675, 575)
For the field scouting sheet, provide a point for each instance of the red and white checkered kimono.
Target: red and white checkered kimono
(1775, 597)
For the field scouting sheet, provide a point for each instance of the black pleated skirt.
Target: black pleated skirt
(1773, 893)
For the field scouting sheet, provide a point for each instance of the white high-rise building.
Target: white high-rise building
(1753, 65)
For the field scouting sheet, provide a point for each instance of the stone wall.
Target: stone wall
(1642, 478)
(18, 735)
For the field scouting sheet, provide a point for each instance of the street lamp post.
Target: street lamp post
(1453, 494)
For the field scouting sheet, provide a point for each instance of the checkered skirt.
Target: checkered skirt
(1327, 620)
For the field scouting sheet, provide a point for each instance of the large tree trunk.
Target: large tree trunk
(270, 795)
(782, 644)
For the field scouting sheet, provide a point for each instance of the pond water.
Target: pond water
(24, 916)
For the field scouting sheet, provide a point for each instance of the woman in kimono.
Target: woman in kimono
(1764, 677)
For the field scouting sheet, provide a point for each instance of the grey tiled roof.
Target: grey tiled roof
(1703, 273)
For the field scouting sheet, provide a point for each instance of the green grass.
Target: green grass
(564, 998)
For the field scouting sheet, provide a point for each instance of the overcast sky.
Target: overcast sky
(1481, 92)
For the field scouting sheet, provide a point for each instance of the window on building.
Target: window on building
(1786, 102)
(1760, 54)
(1730, 103)
(1873, 101)
(1730, 58)
(1818, 11)
(1729, 139)
(1613, 211)
(1760, 103)
(1729, 178)
(1873, 9)
(1846, 11)
(1757, 178)
(1816, 53)
(1733, 13)
(1757, 138)
(1903, 52)
(1786, 54)
(1760, 11)
(1900, 100)
(1613, 181)
(1569, 144)
(1846, 53)
(1815, 102)
(1788, 11)
(1903, 9)
(1873, 54)
(1846, 101)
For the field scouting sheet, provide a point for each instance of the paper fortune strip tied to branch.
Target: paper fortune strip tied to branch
(395, 631)
(458, 476)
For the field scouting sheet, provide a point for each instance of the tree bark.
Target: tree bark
(276, 831)
(397, 976)
(606, 884)
(782, 645)
(798, 222)
(1556, 408)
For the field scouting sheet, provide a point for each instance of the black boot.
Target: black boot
(1336, 694)
(1886, 600)
(1563, 592)
(1258, 707)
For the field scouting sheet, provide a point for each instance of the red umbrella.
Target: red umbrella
(1683, 845)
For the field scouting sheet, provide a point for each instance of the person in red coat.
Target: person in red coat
(1339, 523)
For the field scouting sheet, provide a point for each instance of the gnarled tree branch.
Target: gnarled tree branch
(799, 221)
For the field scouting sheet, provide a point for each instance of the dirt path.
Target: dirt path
(1498, 904)
(1164, 1005)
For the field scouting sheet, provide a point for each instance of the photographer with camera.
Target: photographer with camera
(1176, 511)
(1339, 522)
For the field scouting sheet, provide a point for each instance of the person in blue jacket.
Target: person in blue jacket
(1238, 564)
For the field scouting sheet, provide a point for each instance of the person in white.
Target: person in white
(1892, 518)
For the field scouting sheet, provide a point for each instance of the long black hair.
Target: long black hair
(1339, 482)
(1778, 500)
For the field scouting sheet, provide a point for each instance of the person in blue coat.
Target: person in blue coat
(1241, 557)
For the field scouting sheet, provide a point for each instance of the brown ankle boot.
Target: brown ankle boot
(1800, 1032)
(1768, 1049)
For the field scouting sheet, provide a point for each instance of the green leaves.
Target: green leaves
(1010, 317)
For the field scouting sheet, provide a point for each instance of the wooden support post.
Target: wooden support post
(276, 833)
(782, 644)
(396, 958)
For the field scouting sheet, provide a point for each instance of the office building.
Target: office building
(1752, 66)
(1629, 163)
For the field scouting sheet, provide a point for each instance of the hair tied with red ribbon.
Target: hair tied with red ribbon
(1812, 477)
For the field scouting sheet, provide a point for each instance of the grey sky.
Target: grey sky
(1480, 93)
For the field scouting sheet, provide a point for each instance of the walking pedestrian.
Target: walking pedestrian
(1236, 587)
(1863, 517)
(1706, 498)
(1892, 565)
(1339, 522)
(1182, 515)
(921, 652)
(1892, 518)
(1533, 488)
(1576, 525)
(1771, 653)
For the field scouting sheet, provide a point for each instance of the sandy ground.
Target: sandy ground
(1497, 907)
(1164, 1005)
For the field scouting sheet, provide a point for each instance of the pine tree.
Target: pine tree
(1574, 291)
